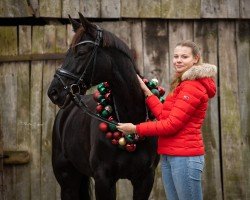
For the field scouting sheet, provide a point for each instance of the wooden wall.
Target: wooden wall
(166, 9)
(27, 114)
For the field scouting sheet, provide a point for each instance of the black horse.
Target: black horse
(80, 149)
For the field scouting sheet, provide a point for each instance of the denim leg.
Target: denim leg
(167, 178)
(186, 174)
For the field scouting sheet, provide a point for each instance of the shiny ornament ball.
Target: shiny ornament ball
(155, 92)
(155, 81)
(122, 141)
(102, 90)
(96, 95)
(129, 137)
(107, 96)
(106, 84)
(110, 118)
(103, 102)
(109, 108)
(109, 135)
(161, 90)
(114, 141)
(151, 85)
(99, 108)
(145, 80)
(130, 147)
(103, 126)
(117, 135)
(112, 127)
(105, 113)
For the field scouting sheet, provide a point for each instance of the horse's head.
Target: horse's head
(78, 70)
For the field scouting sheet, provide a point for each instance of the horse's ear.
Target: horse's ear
(75, 24)
(85, 23)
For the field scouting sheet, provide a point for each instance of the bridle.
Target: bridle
(74, 90)
(80, 85)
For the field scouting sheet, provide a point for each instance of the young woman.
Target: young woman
(178, 122)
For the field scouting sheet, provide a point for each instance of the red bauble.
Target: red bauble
(103, 126)
(117, 135)
(107, 96)
(109, 135)
(110, 118)
(161, 90)
(114, 141)
(130, 147)
(106, 84)
(99, 108)
(145, 80)
(96, 95)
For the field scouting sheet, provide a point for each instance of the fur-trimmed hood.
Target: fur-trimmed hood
(204, 73)
(200, 71)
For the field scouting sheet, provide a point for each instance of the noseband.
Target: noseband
(80, 84)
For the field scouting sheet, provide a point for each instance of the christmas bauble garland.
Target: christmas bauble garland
(105, 108)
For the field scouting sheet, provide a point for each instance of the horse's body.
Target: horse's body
(80, 149)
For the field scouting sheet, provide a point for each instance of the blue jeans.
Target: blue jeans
(182, 177)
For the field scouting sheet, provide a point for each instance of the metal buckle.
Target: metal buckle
(75, 89)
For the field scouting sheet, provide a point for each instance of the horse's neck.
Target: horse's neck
(130, 107)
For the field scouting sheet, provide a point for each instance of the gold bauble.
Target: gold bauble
(122, 141)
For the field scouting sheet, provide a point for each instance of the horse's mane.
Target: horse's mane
(109, 40)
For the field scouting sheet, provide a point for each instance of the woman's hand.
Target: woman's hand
(144, 88)
(126, 128)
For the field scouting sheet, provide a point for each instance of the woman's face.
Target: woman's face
(183, 58)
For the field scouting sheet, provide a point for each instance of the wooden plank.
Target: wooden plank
(245, 9)
(23, 111)
(121, 29)
(90, 8)
(178, 31)
(2, 184)
(205, 35)
(34, 7)
(137, 43)
(71, 8)
(231, 136)
(50, 8)
(8, 40)
(179, 9)
(32, 57)
(61, 39)
(156, 52)
(220, 9)
(243, 61)
(9, 121)
(35, 113)
(110, 9)
(48, 183)
(141, 8)
(14, 8)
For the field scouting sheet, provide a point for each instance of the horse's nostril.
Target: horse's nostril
(53, 94)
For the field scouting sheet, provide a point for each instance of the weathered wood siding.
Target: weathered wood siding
(166, 9)
(27, 115)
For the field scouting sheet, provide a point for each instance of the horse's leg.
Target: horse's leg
(143, 185)
(104, 186)
(74, 186)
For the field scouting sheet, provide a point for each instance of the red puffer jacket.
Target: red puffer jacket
(180, 117)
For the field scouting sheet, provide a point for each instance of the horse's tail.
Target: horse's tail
(86, 188)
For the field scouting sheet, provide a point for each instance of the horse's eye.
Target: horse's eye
(83, 49)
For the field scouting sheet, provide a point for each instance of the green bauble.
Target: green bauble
(129, 138)
(105, 114)
(102, 90)
(155, 92)
(162, 99)
(101, 85)
(103, 102)
(152, 84)
(112, 127)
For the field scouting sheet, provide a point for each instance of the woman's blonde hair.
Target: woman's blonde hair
(195, 52)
